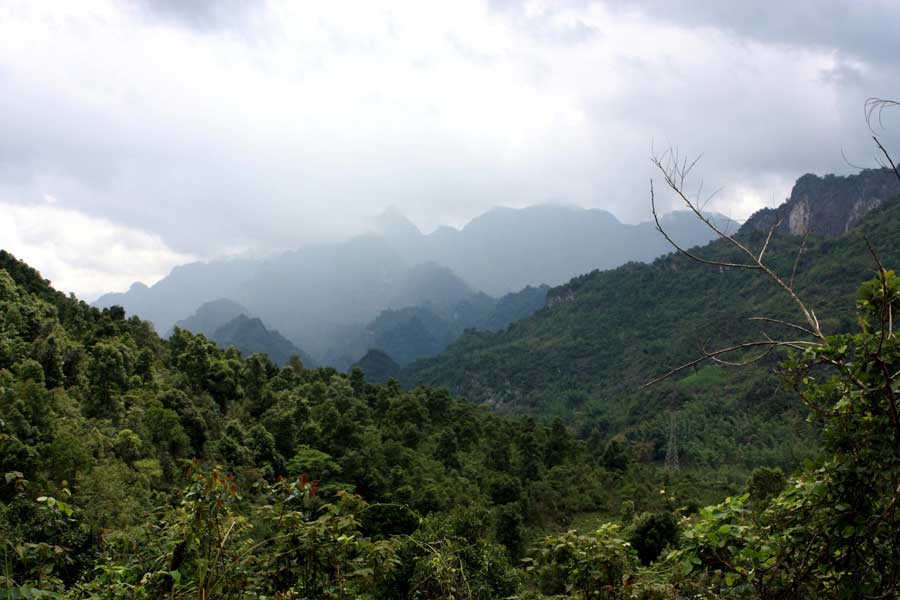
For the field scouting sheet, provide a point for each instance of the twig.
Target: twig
(797, 344)
(674, 177)
(884, 151)
(768, 239)
(797, 260)
(785, 323)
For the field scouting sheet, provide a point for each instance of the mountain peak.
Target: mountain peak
(829, 205)
(391, 222)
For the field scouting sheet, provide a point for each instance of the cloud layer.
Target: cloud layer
(80, 254)
(216, 127)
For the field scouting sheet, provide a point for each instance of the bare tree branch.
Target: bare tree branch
(785, 323)
(797, 260)
(876, 107)
(768, 239)
(796, 344)
(675, 175)
(891, 163)
(660, 229)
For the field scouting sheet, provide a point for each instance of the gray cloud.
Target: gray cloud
(866, 30)
(201, 15)
(319, 117)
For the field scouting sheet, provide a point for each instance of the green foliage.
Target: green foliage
(142, 468)
(652, 533)
(765, 483)
(581, 566)
(174, 468)
(603, 335)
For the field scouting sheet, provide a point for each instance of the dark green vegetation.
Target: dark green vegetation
(586, 356)
(142, 468)
(137, 467)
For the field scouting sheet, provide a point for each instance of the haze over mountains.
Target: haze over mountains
(324, 298)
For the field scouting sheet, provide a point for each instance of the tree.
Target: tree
(834, 530)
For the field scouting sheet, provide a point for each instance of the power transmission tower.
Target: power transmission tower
(672, 449)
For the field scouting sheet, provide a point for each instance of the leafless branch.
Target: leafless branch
(675, 172)
(891, 164)
(875, 107)
(687, 253)
(786, 324)
(768, 239)
(850, 164)
(797, 260)
(771, 344)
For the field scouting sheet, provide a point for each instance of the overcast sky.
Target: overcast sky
(140, 134)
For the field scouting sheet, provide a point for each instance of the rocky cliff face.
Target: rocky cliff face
(829, 205)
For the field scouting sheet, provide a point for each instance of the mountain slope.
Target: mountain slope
(424, 330)
(595, 328)
(377, 366)
(603, 335)
(319, 296)
(507, 249)
(212, 315)
(250, 336)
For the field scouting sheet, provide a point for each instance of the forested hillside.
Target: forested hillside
(603, 335)
(137, 468)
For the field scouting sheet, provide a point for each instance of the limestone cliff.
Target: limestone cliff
(828, 205)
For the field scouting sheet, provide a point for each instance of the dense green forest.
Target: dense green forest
(126, 454)
(137, 467)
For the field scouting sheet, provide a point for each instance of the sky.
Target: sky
(136, 135)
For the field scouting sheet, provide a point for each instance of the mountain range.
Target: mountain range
(333, 300)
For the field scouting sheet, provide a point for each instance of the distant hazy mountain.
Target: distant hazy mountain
(316, 296)
(413, 332)
(211, 316)
(377, 366)
(507, 249)
(183, 290)
(250, 336)
(322, 297)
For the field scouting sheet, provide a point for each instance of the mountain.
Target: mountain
(507, 249)
(377, 366)
(182, 291)
(230, 324)
(319, 297)
(250, 336)
(601, 336)
(424, 330)
(211, 316)
(323, 297)
(830, 205)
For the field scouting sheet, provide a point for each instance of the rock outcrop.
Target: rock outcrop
(830, 205)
